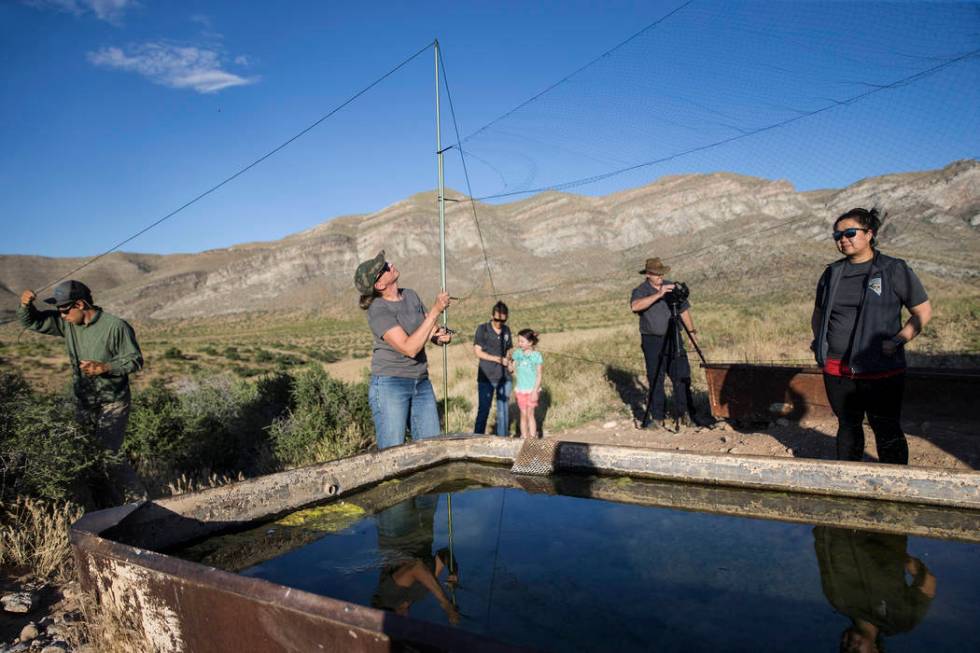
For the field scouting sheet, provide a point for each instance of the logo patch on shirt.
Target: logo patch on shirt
(875, 285)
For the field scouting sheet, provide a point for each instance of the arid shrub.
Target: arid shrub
(157, 438)
(329, 419)
(44, 452)
(204, 425)
(173, 353)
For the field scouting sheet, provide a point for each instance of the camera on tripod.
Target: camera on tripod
(678, 295)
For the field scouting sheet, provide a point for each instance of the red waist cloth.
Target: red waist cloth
(836, 367)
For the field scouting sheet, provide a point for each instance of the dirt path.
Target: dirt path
(929, 445)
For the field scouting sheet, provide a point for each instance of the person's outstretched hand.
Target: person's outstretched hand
(442, 302)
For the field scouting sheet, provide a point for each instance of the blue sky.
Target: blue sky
(113, 113)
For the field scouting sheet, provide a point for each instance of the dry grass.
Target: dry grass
(185, 484)
(107, 630)
(34, 535)
(589, 371)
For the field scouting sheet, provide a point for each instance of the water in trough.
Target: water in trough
(574, 573)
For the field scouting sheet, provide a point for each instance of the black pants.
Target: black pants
(679, 370)
(881, 400)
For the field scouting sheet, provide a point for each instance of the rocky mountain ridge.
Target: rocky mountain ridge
(731, 223)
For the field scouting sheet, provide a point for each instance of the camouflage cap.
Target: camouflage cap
(367, 273)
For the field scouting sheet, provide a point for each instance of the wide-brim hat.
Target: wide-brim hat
(367, 273)
(69, 291)
(655, 266)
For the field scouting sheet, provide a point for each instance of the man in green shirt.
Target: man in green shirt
(102, 350)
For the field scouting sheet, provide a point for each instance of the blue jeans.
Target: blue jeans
(485, 390)
(408, 523)
(394, 401)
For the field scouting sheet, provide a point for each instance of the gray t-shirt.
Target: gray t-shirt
(843, 314)
(495, 344)
(408, 313)
(847, 302)
(653, 321)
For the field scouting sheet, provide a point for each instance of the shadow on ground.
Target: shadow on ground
(633, 392)
(942, 418)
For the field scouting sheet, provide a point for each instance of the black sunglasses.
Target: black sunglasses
(500, 319)
(66, 308)
(848, 233)
(384, 268)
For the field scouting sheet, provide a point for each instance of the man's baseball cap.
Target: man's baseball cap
(367, 273)
(69, 291)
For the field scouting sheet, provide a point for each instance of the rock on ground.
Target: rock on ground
(28, 632)
(17, 602)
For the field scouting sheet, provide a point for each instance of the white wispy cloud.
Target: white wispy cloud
(110, 11)
(171, 65)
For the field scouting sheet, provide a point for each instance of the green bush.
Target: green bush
(263, 356)
(324, 355)
(287, 360)
(329, 419)
(173, 353)
(245, 371)
(157, 437)
(44, 452)
(204, 425)
(231, 353)
(198, 426)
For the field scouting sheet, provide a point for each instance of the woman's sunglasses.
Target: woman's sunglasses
(384, 268)
(848, 233)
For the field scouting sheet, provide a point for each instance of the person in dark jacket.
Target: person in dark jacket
(870, 578)
(859, 338)
(491, 343)
(103, 353)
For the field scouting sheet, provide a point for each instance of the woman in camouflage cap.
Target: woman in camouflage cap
(400, 389)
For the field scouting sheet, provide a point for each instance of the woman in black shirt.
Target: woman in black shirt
(859, 338)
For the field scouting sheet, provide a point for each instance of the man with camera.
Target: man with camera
(656, 301)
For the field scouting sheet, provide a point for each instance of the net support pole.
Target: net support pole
(442, 244)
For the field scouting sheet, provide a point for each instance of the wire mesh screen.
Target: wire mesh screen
(536, 457)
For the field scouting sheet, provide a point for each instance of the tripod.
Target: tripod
(672, 350)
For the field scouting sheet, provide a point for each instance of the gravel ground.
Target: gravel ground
(948, 446)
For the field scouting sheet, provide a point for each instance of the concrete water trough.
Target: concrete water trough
(175, 605)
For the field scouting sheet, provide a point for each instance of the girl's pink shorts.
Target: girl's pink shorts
(526, 400)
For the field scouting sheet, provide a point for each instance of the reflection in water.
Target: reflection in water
(410, 571)
(871, 578)
(565, 573)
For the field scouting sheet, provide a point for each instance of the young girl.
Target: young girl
(526, 365)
